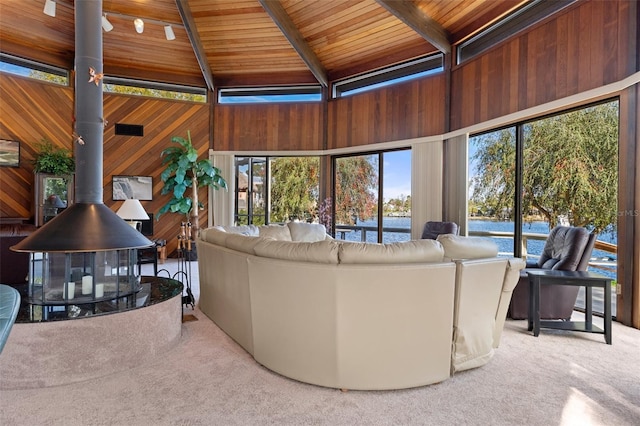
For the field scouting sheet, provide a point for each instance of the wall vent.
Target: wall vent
(129, 129)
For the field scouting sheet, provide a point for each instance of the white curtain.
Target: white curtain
(456, 177)
(426, 185)
(221, 201)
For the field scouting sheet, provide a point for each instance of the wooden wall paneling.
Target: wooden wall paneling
(30, 111)
(628, 206)
(140, 156)
(403, 111)
(273, 127)
(580, 48)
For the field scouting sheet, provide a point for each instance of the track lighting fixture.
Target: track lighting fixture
(139, 24)
(50, 8)
(168, 32)
(106, 25)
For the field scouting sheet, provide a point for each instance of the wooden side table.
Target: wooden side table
(585, 279)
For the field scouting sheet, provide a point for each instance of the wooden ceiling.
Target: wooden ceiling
(250, 42)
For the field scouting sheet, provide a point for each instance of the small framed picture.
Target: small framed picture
(9, 153)
(127, 187)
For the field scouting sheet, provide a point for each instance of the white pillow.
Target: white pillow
(317, 252)
(277, 232)
(459, 247)
(415, 251)
(309, 232)
(251, 230)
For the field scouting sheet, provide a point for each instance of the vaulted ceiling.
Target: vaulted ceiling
(222, 43)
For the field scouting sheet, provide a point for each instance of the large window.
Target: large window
(384, 77)
(154, 89)
(252, 95)
(558, 170)
(276, 189)
(372, 194)
(36, 70)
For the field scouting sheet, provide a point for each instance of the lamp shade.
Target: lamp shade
(132, 210)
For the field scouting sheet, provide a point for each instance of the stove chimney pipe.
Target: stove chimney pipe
(88, 109)
(87, 225)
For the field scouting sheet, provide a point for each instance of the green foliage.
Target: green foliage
(53, 159)
(570, 168)
(184, 170)
(51, 78)
(401, 205)
(356, 189)
(153, 93)
(294, 188)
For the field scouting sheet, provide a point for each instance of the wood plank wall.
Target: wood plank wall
(269, 127)
(30, 111)
(403, 111)
(581, 48)
(140, 156)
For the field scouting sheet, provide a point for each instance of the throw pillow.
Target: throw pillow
(309, 232)
(277, 232)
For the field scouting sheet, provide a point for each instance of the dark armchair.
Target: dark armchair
(566, 249)
(433, 229)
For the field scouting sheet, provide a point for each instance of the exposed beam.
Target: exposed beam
(290, 31)
(424, 25)
(196, 44)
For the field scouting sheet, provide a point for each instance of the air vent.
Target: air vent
(129, 129)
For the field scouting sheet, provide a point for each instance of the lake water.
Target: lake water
(505, 245)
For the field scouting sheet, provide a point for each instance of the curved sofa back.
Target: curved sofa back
(357, 315)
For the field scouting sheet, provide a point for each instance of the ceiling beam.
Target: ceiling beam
(421, 23)
(196, 44)
(290, 31)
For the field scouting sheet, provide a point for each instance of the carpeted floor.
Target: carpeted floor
(559, 378)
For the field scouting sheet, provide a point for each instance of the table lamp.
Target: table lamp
(133, 212)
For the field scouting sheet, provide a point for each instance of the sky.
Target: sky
(397, 174)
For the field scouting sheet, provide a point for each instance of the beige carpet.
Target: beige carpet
(559, 378)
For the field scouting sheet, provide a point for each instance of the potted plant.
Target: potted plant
(53, 188)
(53, 160)
(183, 171)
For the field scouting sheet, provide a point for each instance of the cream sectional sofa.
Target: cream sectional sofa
(355, 315)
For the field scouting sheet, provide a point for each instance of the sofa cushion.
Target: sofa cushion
(242, 243)
(309, 232)
(415, 251)
(214, 235)
(277, 232)
(325, 251)
(459, 247)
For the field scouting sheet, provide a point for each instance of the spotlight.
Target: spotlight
(106, 25)
(139, 24)
(168, 32)
(50, 8)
